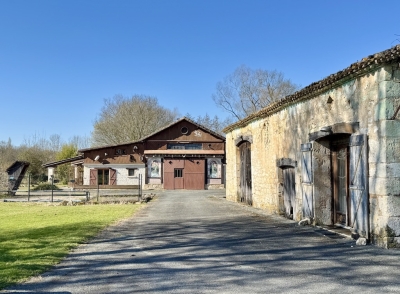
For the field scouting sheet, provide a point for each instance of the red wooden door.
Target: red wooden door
(173, 178)
(194, 174)
(178, 178)
(93, 177)
(184, 174)
(113, 177)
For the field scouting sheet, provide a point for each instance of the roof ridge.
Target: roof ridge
(355, 69)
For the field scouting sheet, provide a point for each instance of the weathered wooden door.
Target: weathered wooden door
(340, 180)
(289, 193)
(359, 217)
(307, 180)
(245, 191)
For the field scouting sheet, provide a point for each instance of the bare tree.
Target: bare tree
(129, 119)
(246, 91)
(80, 142)
(215, 124)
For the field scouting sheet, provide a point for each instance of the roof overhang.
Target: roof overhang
(184, 153)
(73, 160)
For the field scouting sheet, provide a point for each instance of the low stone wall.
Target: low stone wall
(215, 186)
(153, 187)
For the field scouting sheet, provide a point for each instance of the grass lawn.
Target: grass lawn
(35, 236)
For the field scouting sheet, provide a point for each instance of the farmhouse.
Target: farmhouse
(329, 153)
(183, 155)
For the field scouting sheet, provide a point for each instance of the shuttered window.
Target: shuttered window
(307, 180)
(359, 185)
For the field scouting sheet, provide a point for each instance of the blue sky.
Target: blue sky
(59, 59)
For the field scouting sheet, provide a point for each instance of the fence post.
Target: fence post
(52, 185)
(98, 187)
(29, 186)
(140, 186)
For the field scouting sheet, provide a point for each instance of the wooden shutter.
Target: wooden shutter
(359, 185)
(307, 180)
(113, 177)
(93, 177)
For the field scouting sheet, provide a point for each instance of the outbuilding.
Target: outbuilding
(330, 153)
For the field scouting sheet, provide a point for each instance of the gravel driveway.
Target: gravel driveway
(197, 242)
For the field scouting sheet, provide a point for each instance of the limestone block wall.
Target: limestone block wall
(370, 100)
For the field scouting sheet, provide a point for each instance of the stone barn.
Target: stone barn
(329, 153)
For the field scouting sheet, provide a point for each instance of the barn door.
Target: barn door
(359, 185)
(245, 173)
(93, 177)
(289, 193)
(307, 180)
(178, 178)
(113, 177)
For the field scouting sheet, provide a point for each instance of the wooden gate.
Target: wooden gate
(359, 185)
(245, 189)
(289, 193)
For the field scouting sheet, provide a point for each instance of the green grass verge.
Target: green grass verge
(33, 237)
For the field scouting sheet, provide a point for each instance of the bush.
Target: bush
(45, 186)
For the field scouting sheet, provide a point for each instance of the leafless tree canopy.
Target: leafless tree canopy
(246, 91)
(129, 119)
(215, 124)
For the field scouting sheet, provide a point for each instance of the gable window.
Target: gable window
(120, 151)
(186, 146)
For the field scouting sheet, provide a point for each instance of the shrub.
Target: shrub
(46, 186)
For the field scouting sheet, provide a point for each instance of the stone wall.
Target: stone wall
(370, 100)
